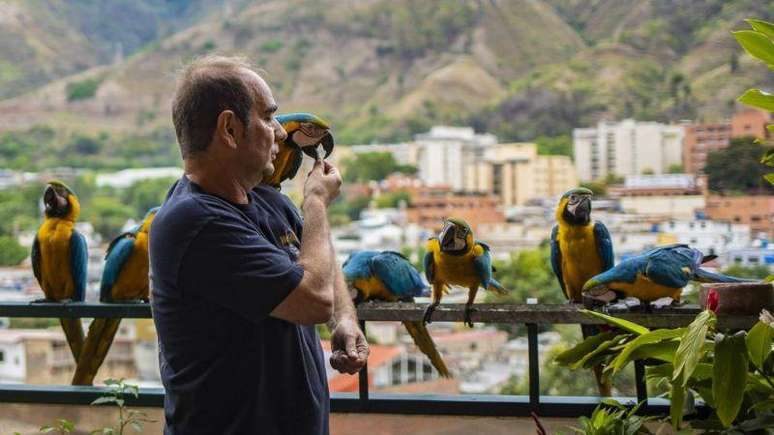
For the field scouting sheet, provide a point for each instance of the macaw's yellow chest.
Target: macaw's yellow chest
(132, 282)
(646, 290)
(55, 259)
(373, 288)
(456, 269)
(580, 258)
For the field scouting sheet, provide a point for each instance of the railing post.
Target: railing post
(639, 382)
(534, 366)
(362, 379)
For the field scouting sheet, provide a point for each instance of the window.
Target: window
(2, 356)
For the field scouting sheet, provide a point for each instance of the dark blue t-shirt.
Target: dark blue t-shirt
(217, 270)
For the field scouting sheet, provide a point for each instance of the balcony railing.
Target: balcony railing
(530, 315)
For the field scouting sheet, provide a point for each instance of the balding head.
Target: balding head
(207, 87)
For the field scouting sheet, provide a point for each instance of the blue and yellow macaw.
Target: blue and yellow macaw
(656, 274)
(60, 258)
(580, 249)
(456, 258)
(124, 278)
(305, 133)
(389, 276)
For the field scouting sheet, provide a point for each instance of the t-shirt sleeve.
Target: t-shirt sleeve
(238, 268)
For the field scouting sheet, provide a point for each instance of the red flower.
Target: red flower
(712, 300)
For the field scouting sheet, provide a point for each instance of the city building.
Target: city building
(626, 148)
(660, 185)
(704, 138)
(428, 207)
(710, 237)
(444, 151)
(751, 257)
(42, 356)
(517, 174)
(127, 177)
(755, 211)
(750, 122)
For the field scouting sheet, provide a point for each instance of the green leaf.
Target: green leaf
(763, 27)
(758, 98)
(104, 399)
(770, 128)
(573, 355)
(759, 343)
(769, 177)
(756, 44)
(46, 429)
(621, 323)
(768, 156)
(651, 337)
(729, 376)
(603, 347)
(691, 346)
(769, 278)
(677, 401)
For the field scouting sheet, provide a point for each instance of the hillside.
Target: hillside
(383, 70)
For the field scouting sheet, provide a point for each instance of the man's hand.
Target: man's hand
(349, 347)
(323, 182)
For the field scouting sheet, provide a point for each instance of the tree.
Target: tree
(752, 272)
(675, 168)
(11, 252)
(555, 145)
(393, 199)
(147, 194)
(108, 215)
(373, 167)
(738, 168)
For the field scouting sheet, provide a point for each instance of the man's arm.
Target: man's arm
(312, 301)
(348, 344)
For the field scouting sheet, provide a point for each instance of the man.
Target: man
(234, 313)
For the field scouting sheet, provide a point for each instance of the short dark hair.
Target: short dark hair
(206, 87)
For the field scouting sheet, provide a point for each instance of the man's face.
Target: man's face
(261, 138)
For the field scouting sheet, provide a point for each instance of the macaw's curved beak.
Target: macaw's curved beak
(582, 210)
(327, 144)
(55, 203)
(594, 288)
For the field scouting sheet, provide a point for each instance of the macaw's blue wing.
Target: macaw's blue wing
(604, 245)
(358, 266)
(483, 266)
(118, 252)
(35, 259)
(556, 258)
(79, 259)
(429, 267)
(397, 274)
(672, 267)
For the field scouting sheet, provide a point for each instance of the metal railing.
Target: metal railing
(530, 315)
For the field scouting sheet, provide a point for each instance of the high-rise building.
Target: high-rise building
(444, 152)
(516, 173)
(626, 148)
(750, 122)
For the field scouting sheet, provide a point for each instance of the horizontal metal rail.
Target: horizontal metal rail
(671, 317)
(530, 315)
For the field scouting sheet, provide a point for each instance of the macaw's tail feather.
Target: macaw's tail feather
(73, 330)
(705, 276)
(101, 333)
(424, 342)
(603, 384)
(496, 287)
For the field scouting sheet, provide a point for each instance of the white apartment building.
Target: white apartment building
(626, 148)
(444, 151)
(404, 153)
(710, 237)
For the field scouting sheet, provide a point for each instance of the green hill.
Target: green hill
(378, 69)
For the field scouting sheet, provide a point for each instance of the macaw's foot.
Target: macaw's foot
(468, 311)
(427, 318)
(662, 302)
(624, 305)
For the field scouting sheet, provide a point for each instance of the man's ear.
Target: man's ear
(228, 128)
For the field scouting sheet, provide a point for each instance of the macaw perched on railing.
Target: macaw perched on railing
(658, 275)
(389, 276)
(580, 249)
(124, 279)
(305, 133)
(60, 257)
(456, 258)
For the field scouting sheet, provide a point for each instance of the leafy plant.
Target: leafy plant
(759, 43)
(732, 372)
(612, 418)
(62, 426)
(126, 417)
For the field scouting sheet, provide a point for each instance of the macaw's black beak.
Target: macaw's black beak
(56, 204)
(447, 236)
(327, 144)
(583, 211)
